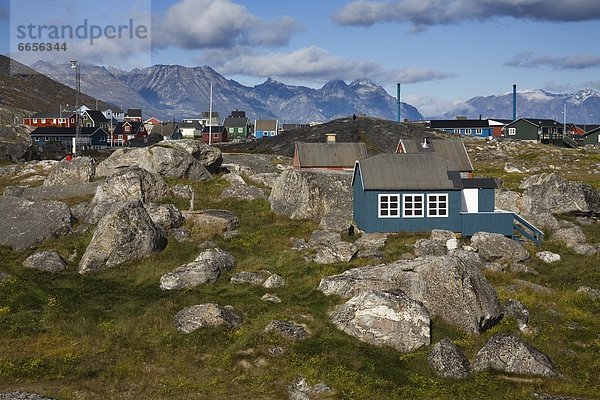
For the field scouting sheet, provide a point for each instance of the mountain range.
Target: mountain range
(175, 92)
(581, 107)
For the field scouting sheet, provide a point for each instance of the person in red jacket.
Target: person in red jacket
(69, 157)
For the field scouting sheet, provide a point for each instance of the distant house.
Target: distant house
(291, 127)
(592, 136)
(116, 114)
(214, 134)
(422, 192)
(207, 119)
(133, 115)
(535, 130)
(265, 128)
(95, 119)
(238, 125)
(331, 155)
(89, 137)
(191, 128)
(452, 150)
(152, 121)
(169, 130)
(126, 131)
(466, 127)
(58, 119)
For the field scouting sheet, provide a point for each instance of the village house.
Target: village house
(537, 130)
(480, 128)
(238, 125)
(452, 150)
(126, 131)
(133, 115)
(422, 192)
(266, 128)
(89, 137)
(329, 155)
(214, 134)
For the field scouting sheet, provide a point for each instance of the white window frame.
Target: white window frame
(468, 131)
(437, 199)
(388, 200)
(411, 199)
(456, 130)
(240, 130)
(479, 131)
(34, 121)
(512, 131)
(43, 120)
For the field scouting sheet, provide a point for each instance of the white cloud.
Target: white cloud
(199, 24)
(574, 62)
(312, 64)
(431, 106)
(422, 13)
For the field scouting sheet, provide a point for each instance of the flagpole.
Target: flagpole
(210, 118)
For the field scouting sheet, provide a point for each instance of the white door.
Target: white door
(470, 200)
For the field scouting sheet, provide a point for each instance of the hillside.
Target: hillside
(381, 136)
(29, 91)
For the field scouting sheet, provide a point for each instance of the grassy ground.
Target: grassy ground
(111, 335)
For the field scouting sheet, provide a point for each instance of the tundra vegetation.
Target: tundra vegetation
(111, 334)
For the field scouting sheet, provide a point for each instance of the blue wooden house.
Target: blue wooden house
(465, 127)
(89, 137)
(421, 192)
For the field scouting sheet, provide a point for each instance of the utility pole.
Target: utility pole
(75, 66)
(399, 103)
(210, 117)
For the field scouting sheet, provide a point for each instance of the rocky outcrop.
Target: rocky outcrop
(166, 216)
(508, 353)
(125, 234)
(337, 252)
(165, 161)
(48, 261)
(56, 192)
(207, 267)
(448, 361)
(22, 396)
(385, 318)
(27, 223)
(548, 257)
(451, 287)
(77, 170)
(210, 157)
(517, 310)
(496, 247)
(204, 315)
(243, 192)
(437, 245)
(126, 185)
(301, 194)
(552, 192)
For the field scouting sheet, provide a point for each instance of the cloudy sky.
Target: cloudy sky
(442, 51)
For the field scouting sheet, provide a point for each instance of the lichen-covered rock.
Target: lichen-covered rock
(274, 281)
(252, 278)
(548, 257)
(207, 267)
(497, 247)
(449, 361)
(301, 194)
(203, 315)
(165, 161)
(77, 170)
(125, 234)
(508, 353)
(165, 215)
(210, 220)
(517, 310)
(385, 318)
(26, 223)
(48, 261)
(552, 192)
(209, 156)
(451, 287)
(336, 252)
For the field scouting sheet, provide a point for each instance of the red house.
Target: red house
(125, 131)
(216, 133)
(41, 119)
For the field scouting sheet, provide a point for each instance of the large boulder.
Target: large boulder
(496, 247)
(207, 267)
(126, 185)
(385, 318)
(451, 287)
(55, 192)
(448, 361)
(202, 315)
(77, 170)
(165, 215)
(166, 161)
(208, 156)
(125, 234)
(301, 194)
(508, 353)
(552, 192)
(26, 223)
(15, 143)
(211, 220)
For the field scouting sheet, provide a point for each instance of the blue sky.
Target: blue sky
(442, 51)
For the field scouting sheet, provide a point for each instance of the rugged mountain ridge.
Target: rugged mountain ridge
(175, 91)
